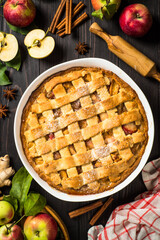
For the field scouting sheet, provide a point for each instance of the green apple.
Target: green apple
(40, 227)
(8, 47)
(38, 44)
(6, 212)
(14, 234)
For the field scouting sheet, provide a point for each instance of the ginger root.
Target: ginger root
(5, 171)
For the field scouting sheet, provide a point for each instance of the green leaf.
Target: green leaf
(21, 183)
(104, 2)
(24, 30)
(4, 80)
(109, 10)
(16, 62)
(98, 13)
(13, 201)
(34, 203)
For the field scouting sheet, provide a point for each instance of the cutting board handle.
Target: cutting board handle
(96, 29)
(129, 54)
(156, 75)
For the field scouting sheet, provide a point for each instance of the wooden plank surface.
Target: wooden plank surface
(64, 50)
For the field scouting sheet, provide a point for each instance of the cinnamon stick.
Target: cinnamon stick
(60, 31)
(74, 24)
(68, 16)
(85, 209)
(57, 16)
(76, 10)
(99, 213)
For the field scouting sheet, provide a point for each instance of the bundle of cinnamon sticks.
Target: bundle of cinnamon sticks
(68, 23)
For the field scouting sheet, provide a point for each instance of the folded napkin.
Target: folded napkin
(139, 219)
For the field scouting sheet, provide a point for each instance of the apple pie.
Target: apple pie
(84, 130)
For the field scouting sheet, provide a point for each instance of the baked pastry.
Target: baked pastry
(84, 130)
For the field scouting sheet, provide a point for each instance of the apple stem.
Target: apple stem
(138, 15)
(37, 42)
(16, 4)
(9, 228)
(106, 9)
(46, 33)
(37, 233)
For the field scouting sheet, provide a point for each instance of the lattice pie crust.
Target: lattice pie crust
(84, 130)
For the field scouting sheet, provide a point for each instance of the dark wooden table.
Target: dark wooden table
(64, 51)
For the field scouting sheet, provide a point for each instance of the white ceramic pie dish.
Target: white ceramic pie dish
(85, 62)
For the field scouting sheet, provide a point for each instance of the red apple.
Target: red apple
(19, 13)
(97, 4)
(14, 234)
(6, 212)
(105, 8)
(129, 128)
(41, 226)
(51, 136)
(135, 20)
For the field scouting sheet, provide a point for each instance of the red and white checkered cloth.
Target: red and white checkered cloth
(138, 220)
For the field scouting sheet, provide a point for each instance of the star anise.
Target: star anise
(3, 111)
(81, 48)
(9, 93)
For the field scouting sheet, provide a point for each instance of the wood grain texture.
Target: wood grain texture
(64, 50)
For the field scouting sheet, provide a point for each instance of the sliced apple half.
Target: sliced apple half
(9, 47)
(2, 34)
(32, 36)
(43, 49)
(38, 45)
